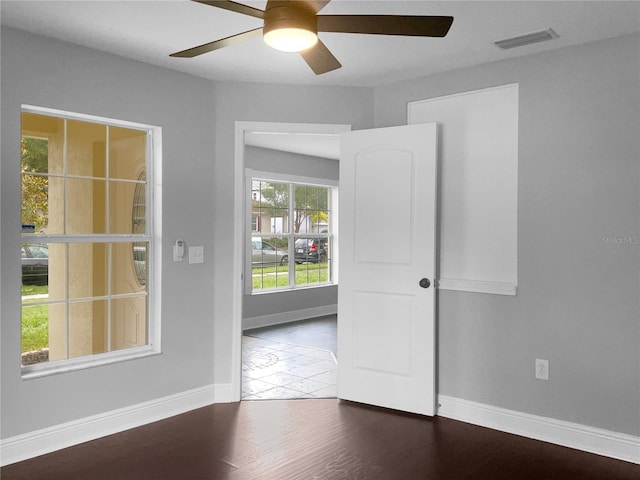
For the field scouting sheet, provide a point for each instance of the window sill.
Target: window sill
(30, 372)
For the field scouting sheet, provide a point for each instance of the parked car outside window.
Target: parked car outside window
(264, 254)
(311, 250)
(35, 264)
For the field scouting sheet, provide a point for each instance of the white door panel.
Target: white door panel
(387, 227)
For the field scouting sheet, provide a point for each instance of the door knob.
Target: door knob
(425, 283)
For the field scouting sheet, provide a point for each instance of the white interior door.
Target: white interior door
(387, 218)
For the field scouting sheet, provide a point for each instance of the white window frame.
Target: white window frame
(332, 185)
(153, 192)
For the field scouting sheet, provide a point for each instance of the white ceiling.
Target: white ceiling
(150, 30)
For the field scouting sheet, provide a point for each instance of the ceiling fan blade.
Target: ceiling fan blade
(320, 59)
(407, 25)
(234, 7)
(218, 44)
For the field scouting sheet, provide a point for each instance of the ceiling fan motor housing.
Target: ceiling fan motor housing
(290, 15)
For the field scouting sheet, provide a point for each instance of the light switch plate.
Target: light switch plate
(196, 254)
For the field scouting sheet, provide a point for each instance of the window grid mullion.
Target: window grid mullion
(108, 229)
(291, 238)
(107, 180)
(80, 177)
(87, 299)
(65, 208)
(66, 299)
(109, 302)
(81, 238)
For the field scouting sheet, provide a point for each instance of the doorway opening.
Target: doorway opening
(259, 353)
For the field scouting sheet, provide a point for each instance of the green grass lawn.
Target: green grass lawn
(35, 327)
(273, 277)
(34, 289)
(35, 320)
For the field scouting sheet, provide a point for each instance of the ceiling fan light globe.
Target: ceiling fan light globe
(290, 39)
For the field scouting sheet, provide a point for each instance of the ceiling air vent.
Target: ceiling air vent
(528, 39)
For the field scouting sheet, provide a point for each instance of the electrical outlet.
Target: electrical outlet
(542, 369)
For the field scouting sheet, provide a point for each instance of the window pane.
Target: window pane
(57, 271)
(87, 328)
(35, 201)
(270, 205)
(42, 147)
(312, 256)
(312, 249)
(270, 252)
(86, 206)
(141, 261)
(311, 209)
(35, 265)
(86, 149)
(42, 197)
(34, 163)
(42, 143)
(127, 152)
(274, 195)
(128, 262)
(312, 274)
(139, 207)
(43, 272)
(278, 221)
(35, 331)
(270, 258)
(121, 204)
(128, 324)
(87, 270)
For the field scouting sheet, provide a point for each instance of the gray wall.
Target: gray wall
(274, 161)
(578, 302)
(263, 103)
(48, 73)
(579, 181)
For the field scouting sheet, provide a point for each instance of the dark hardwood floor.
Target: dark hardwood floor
(315, 440)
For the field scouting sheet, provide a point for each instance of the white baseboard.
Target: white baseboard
(581, 437)
(573, 435)
(223, 393)
(291, 316)
(46, 440)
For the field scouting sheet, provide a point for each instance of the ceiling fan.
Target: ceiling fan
(293, 26)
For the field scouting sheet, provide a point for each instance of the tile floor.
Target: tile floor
(318, 332)
(279, 370)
